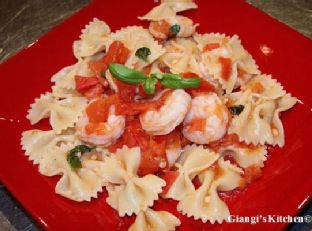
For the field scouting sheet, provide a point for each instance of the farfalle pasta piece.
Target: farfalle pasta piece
(151, 220)
(216, 47)
(93, 39)
(78, 185)
(63, 113)
(178, 55)
(135, 37)
(259, 122)
(246, 156)
(168, 9)
(193, 160)
(36, 142)
(65, 78)
(204, 203)
(283, 104)
(265, 86)
(130, 193)
(61, 93)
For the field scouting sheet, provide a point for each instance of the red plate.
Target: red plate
(285, 185)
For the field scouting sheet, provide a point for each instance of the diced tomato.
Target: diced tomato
(197, 124)
(257, 87)
(84, 83)
(161, 26)
(226, 67)
(94, 92)
(196, 182)
(211, 46)
(117, 53)
(90, 87)
(152, 151)
(204, 86)
(97, 111)
(146, 70)
(241, 72)
(126, 91)
(170, 177)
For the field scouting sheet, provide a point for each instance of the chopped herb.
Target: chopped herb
(143, 53)
(73, 159)
(174, 30)
(236, 110)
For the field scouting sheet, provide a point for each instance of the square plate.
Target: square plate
(282, 189)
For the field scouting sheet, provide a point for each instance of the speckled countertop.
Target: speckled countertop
(16, 16)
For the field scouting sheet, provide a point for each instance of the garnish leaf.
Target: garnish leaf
(143, 53)
(149, 85)
(126, 74)
(73, 159)
(174, 29)
(236, 110)
(181, 84)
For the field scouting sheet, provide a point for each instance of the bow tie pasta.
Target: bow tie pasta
(118, 122)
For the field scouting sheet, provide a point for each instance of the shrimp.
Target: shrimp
(207, 119)
(161, 29)
(102, 133)
(171, 114)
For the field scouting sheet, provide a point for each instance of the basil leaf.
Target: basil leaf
(236, 110)
(143, 53)
(169, 76)
(126, 74)
(174, 29)
(149, 85)
(72, 157)
(180, 84)
(73, 161)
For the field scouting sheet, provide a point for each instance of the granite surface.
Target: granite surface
(16, 16)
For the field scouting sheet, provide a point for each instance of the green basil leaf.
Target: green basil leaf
(73, 161)
(174, 29)
(72, 157)
(169, 76)
(143, 53)
(149, 85)
(181, 84)
(126, 74)
(236, 110)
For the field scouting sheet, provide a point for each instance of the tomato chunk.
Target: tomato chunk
(117, 53)
(226, 67)
(84, 83)
(211, 46)
(170, 177)
(94, 92)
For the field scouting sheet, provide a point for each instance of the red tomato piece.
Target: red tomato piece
(97, 111)
(226, 67)
(211, 46)
(117, 53)
(84, 83)
(170, 177)
(94, 92)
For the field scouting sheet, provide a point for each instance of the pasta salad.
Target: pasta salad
(157, 112)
